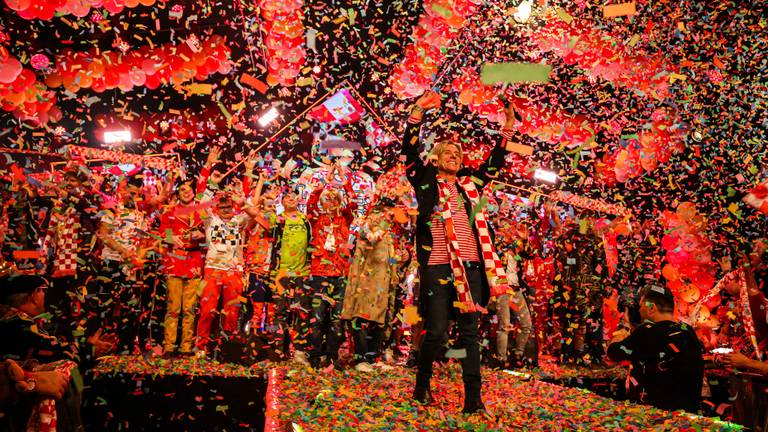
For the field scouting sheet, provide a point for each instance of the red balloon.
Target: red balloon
(99, 85)
(111, 78)
(152, 82)
(55, 114)
(10, 69)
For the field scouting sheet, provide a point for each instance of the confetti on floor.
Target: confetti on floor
(192, 366)
(380, 401)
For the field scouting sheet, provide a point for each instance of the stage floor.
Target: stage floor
(154, 394)
(302, 399)
(151, 393)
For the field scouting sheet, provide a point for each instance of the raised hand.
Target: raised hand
(428, 101)
(511, 114)
(213, 156)
(249, 164)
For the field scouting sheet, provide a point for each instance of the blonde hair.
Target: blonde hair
(440, 147)
(329, 194)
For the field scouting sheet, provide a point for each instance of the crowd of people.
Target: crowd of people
(225, 266)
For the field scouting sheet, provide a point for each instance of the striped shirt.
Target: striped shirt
(464, 234)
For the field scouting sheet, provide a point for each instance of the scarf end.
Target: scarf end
(468, 307)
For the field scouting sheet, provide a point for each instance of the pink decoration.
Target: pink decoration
(599, 56)
(690, 272)
(39, 61)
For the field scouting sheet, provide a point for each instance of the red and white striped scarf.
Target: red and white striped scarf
(497, 279)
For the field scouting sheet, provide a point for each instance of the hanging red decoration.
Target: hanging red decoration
(22, 94)
(543, 123)
(284, 40)
(690, 271)
(47, 9)
(143, 67)
(595, 51)
(439, 24)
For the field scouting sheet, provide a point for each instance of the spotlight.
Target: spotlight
(117, 136)
(268, 116)
(523, 12)
(545, 176)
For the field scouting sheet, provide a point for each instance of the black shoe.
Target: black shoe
(474, 408)
(423, 396)
(494, 363)
(412, 361)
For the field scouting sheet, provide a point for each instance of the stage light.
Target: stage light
(545, 176)
(523, 12)
(117, 136)
(268, 116)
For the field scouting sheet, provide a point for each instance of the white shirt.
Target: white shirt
(126, 227)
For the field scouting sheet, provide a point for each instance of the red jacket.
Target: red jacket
(186, 261)
(324, 262)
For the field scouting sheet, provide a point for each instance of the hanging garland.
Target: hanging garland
(47, 9)
(22, 94)
(144, 67)
(590, 204)
(122, 158)
(284, 40)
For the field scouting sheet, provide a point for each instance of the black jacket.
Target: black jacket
(423, 178)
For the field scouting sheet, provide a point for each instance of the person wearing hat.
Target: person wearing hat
(37, 365)
(22, 299)
(22, 302)
(667, 362)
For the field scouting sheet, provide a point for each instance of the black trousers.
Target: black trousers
(62, 301)
(117, 303)
(367, 336)
(437, 296)
(292, 310)
(326, 328)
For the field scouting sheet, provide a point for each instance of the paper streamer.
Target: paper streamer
(123, 158)
(274, 379)
(590, 203)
